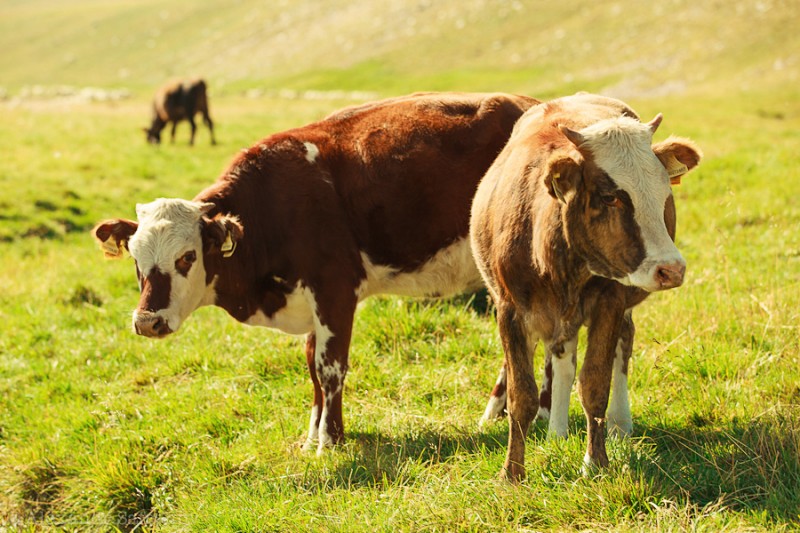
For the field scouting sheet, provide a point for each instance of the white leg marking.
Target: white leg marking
(494, 408)
(620, 421)
(324, 374)
(563, 378)
(543, 413)
(313, 431)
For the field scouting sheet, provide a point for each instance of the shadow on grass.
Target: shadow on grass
(752, 467)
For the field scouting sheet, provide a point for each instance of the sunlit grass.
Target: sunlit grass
(100, 428)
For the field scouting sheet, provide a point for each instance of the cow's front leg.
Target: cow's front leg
(194, 130)
(333, 323)
(523, 396)
(316, 408)
(620, 422)
(595, 380)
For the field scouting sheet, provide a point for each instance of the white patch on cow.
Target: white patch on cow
(620, 421)
(311, 152)
(168, 228)
(622, 148)
(494, 408)
(313, 430)
(296, 317)
(563, 378)
(450, 271)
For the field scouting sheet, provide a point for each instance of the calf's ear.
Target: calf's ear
(562, 175)
(113, 236)
(222, 234)
(678, 155)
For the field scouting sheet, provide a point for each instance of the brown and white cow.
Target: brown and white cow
(306, 223)
(619, 419)
(176, 101)
(571, 226)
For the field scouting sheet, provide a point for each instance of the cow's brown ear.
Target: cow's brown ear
(678, 155)
(113, 236)
(222, 234)
(562, 176)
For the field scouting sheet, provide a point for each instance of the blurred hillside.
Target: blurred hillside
(626, 48)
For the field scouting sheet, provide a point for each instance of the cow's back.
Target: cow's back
(406, 169)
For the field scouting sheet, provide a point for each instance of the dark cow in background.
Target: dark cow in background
(306, 223)
(176, 101)
(572, 225)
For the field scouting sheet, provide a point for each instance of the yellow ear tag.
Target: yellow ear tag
(675, 169)
(228, 247)
(112, 248)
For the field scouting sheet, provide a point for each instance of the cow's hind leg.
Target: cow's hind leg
(620, 421)
(172, 131)
(523, 396)
(497, 400)
(316, 408)
(563, 358)
(210, 124)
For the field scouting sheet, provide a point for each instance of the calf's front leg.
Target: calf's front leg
(620, 422)
(595, 380)
(523, 396)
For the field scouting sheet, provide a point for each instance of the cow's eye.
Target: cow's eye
(184, 263)
(611, 200)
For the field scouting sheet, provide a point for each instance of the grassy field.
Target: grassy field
(104, 430)
(100, 428)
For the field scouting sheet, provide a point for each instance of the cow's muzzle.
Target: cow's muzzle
(150, 324)
(670, 275)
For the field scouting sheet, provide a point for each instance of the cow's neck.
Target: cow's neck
(248, 281)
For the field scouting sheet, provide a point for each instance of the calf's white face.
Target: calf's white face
(168, 244)
(624, 196)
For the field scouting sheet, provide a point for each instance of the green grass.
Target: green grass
(103, 430)
(100, 428)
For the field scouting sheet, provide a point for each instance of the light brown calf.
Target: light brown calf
(570, 224)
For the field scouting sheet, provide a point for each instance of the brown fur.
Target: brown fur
(537, 229)
(177, 101)
(392, 179)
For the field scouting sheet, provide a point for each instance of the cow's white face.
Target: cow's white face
(168, 250)
(619, 207)
(169, 244)
(622, 149)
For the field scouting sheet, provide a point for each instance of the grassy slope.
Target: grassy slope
(199, 432)
(389, 46)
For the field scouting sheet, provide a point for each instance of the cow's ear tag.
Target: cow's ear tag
(675, 169)
(228, 247)
(113, 248)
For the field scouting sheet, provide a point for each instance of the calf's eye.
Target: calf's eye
(611, 201)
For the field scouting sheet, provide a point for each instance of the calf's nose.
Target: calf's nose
(149, 325)
(670, 275)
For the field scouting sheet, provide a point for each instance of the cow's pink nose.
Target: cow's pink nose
(670, 276)
(150, 325)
